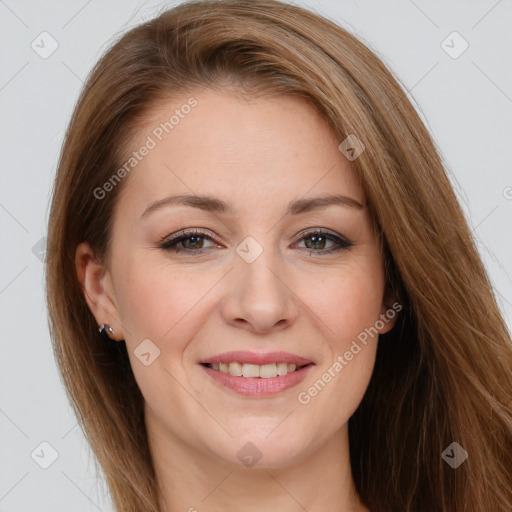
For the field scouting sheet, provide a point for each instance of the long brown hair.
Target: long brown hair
(443, 374)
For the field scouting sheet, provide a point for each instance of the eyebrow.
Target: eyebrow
(216, 205)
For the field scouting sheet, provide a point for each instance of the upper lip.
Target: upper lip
(256, 358)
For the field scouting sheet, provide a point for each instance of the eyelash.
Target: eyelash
(169, 244)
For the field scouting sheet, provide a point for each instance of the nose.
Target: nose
(259, 299)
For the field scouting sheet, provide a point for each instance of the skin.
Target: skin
(261, 154)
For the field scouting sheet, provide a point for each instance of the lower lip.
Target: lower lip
(256, 386)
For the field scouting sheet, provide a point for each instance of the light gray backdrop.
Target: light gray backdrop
(463, 94)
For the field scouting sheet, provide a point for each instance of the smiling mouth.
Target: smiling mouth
(266, 371)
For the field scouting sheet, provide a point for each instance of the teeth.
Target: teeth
(265, 371)
(235, 369)
(268, 370)
(249, 370)
(282, 369)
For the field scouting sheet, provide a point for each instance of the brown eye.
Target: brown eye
(319, 239)
(192, 241)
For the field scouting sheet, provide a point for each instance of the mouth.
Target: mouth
(247, 370)
(256, 375)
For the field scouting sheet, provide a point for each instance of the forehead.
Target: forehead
(248, 151)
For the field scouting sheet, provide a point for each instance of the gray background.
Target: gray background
(465, 102)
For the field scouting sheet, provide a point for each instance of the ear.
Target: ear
(389, 311)
(98, 290)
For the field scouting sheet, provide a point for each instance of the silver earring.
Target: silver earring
(105, 329)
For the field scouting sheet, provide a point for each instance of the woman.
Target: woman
(262, 291)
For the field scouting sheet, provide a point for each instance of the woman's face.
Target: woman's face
(254, 277)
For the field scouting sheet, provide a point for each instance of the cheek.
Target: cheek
(155, 303)
(348, 303)
(352, 310)
(349, 308)
(165, 305)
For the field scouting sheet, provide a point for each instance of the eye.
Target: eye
(191, 241)
(318, 239)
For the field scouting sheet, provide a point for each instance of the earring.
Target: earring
(105, 329)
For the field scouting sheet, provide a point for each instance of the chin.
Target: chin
(265, 449)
